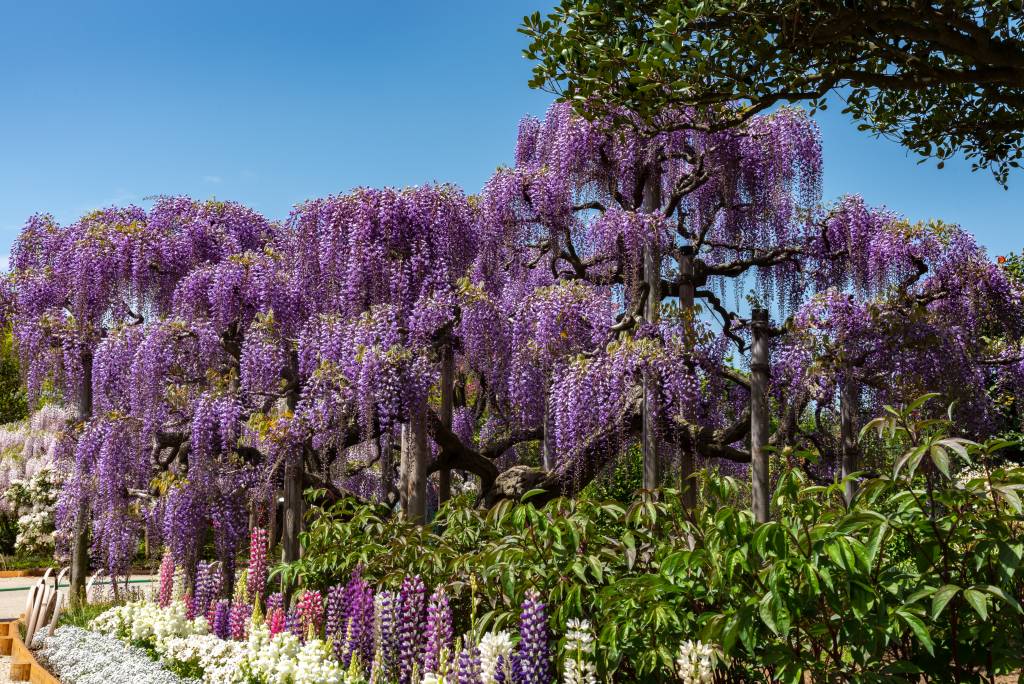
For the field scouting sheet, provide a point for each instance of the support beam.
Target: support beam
(444, 476)
(849, 408)
(687, 485)
(292, 517)
(80, 543)
(413, 467)
(652, 275)
(759, 414)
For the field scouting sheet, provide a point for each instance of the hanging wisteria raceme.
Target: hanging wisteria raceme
(925, 310)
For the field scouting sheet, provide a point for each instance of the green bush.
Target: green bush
(921, 577)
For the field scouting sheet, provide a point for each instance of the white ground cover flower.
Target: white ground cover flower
(78, 656)
(696, 662)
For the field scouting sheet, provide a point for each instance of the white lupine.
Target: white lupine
(696, 662)
(578, 667)
(493, 646)
(314, 665)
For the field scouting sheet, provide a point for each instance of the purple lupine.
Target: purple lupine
(166, 592)
(222, 619)
(335, 621)
(256, 582)
(213, 580)
(240, 614)
(311, 612)
(532, 660)
(468, 670)
(275, 602)
(359, 619)
(293, 624)
(412, 616)
(440, 634)
(386, 636)
(500, 668)
(205, 590)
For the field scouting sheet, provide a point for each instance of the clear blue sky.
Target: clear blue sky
(273, 103)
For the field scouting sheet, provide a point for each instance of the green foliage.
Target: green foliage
(941, 77)
(13, 400)
(1013, 264)
(8, 532)
(923, 575)
(622, 483)
(24, 561)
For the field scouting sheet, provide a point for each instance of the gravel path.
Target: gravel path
(5, 669)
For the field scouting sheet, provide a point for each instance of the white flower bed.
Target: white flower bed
(186, 647)
(220, 660)
(280, 659)
(148, 622)
(77, 656)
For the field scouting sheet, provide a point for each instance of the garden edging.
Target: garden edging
(24, 666)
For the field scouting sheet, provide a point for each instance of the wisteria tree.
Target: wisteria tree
(589, 298)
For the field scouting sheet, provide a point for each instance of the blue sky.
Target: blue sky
(279, 102)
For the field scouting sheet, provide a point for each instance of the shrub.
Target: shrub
(919, 577)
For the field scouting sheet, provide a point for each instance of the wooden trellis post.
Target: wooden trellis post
(849, 407)
(80, 544)
(688, 488)
(759, 414)
(444, 476)
(652, 276)
(413, 484)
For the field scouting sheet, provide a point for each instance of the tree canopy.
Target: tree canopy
(940, 77)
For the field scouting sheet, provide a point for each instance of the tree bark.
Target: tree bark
(849, 407)
(687, 485)
(759, 415)
(444, 476)
(80, 544)
(652, 274)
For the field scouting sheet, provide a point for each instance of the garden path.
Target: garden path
(12, 603)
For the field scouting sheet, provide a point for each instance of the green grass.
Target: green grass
(81, 616)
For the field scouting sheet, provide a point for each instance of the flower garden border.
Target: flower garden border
(24, 666)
